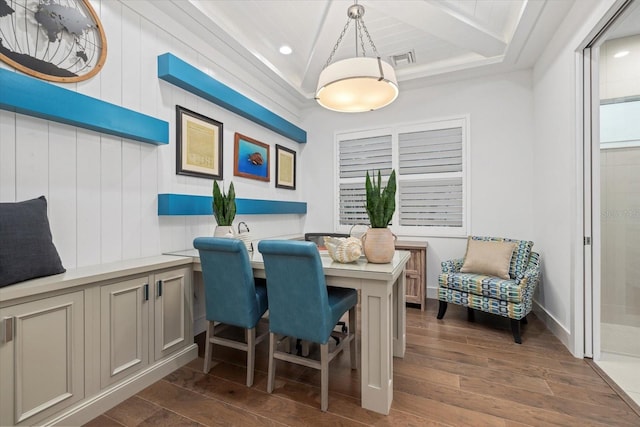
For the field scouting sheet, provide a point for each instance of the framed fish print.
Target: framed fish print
(198, 145)
(285, 168)
(251, 158)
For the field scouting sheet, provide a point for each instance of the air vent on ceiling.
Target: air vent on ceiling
(401, 59)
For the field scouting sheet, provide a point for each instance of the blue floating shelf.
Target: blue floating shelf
(178, 72)
(27, 95)
(185, 204)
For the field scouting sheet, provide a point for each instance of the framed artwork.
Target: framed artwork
(251, 158)
(198, 145)
(285, 168)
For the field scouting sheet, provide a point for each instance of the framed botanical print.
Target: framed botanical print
(198, 145)
(285, 168)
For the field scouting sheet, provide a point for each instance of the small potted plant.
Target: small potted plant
(378, 242)
(224, 209)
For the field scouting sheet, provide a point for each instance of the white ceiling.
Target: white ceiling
(448, 37)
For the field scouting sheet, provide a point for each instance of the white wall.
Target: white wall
(619, 76)
(557, 158)
(102, 190)
(501, 134)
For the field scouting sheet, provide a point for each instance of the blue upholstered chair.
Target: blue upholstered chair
(301, 305)
(509, 296)
(232, 296)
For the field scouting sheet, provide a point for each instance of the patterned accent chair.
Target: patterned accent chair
(510, 297)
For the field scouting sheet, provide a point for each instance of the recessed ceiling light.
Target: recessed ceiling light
(621, 54)
(285, 50)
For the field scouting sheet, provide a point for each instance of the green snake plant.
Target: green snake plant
(381, 203)
(224, 205)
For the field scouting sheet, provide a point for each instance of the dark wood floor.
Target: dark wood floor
(454, 373)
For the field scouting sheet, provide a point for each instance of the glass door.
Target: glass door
(617, 191)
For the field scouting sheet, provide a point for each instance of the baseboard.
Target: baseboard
(432, 293)
(93, 406)
(554, 326)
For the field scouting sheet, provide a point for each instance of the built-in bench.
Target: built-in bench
(73, 345)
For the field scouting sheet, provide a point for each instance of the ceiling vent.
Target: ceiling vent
(402, 59)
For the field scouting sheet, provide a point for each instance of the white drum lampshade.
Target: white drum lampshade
(357, 84)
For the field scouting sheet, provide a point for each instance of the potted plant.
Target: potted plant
(378, 242)
(224, 209)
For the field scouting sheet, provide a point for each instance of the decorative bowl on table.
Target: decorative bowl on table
(342, 249)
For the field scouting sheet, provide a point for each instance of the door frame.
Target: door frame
(587, 300)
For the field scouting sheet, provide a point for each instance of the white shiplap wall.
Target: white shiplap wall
(102, 190)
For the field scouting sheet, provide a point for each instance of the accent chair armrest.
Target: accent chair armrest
(531, 275)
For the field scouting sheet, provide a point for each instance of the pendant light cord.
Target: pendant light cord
(360, 28)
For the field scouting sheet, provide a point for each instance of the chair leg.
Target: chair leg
(442, 309)
(208, 347)
(271, 372)
(251, 354)
(471, 314)
(324, 377)
(353, 348)
(524, 320)
(515, 329)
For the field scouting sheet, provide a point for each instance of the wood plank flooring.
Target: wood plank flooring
(455, 373)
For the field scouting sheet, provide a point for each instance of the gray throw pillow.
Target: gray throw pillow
(26, 246)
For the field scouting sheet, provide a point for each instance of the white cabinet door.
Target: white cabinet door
(124, 329)
(172, 308)
(41, 358)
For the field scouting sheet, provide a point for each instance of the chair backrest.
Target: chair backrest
(229, 288)
(297, 290)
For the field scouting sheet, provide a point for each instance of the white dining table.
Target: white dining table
(382, 311)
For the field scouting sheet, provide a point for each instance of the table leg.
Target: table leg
(376, 368)
(399, 317)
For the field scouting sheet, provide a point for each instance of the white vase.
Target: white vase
(223, 231)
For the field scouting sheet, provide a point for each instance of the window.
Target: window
(430, 163)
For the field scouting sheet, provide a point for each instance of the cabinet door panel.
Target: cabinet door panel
(44, 362)
(413, 291)
(172, 324)
(124, 324)
(415, 272)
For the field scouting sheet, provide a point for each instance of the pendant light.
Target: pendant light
(356, 84)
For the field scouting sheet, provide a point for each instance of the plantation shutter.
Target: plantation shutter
(431, 151)
(356, 156)
(432, 193)
(352, 204)
(431, 202)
